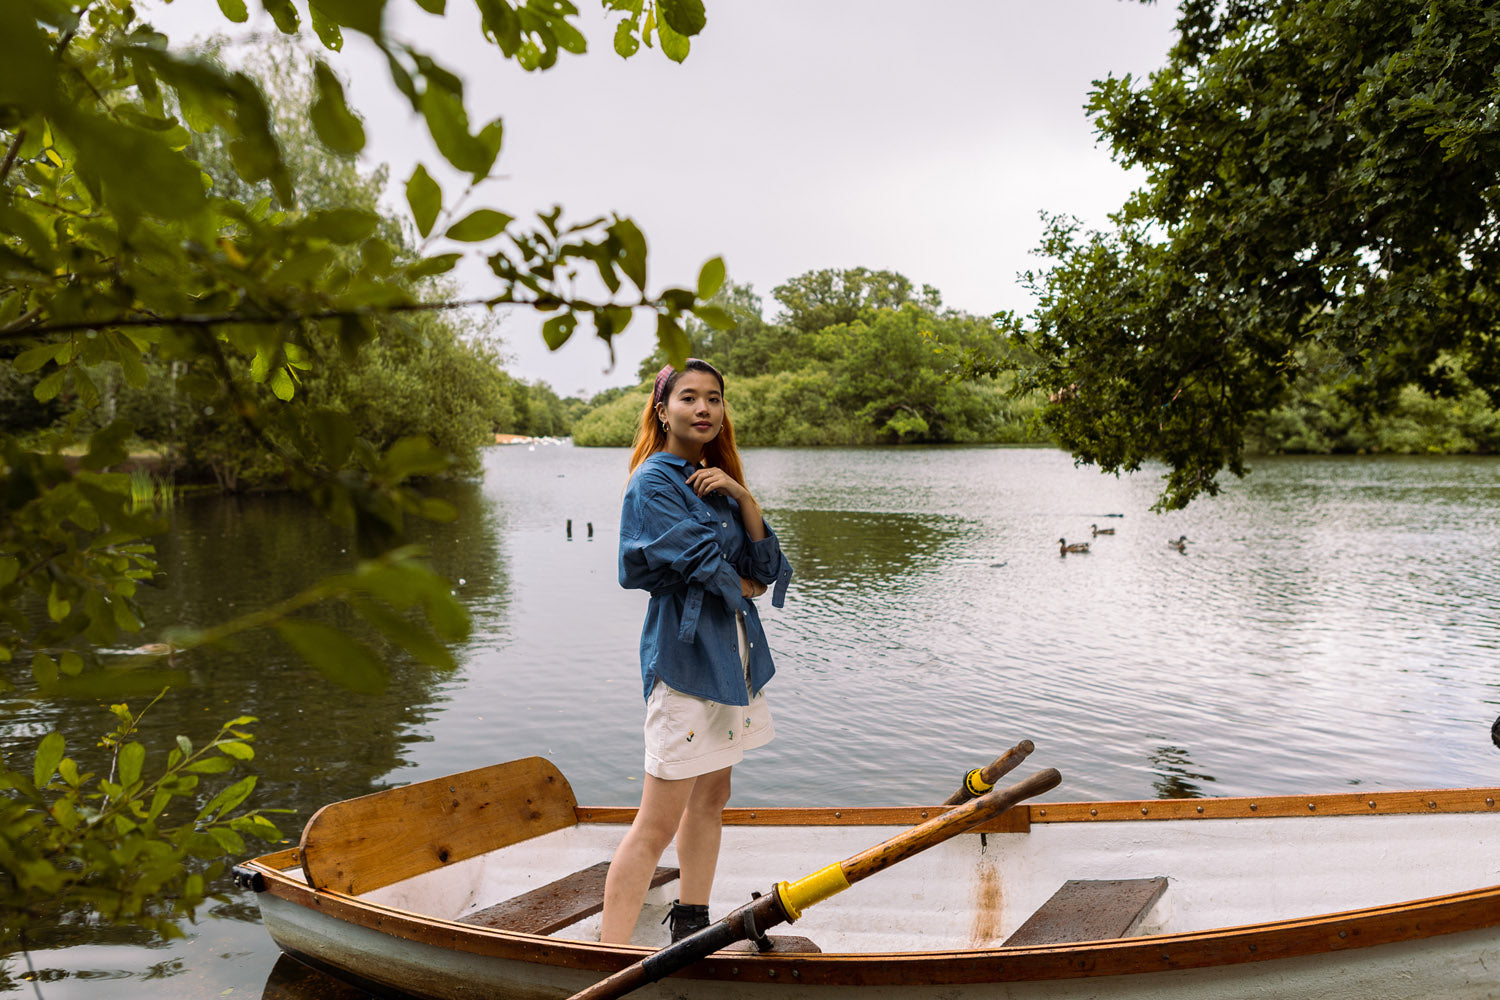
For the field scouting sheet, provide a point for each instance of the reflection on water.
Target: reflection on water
(1334, 622)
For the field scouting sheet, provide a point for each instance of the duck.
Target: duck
(1180, 544)
(1064, 548)
(1101, 531)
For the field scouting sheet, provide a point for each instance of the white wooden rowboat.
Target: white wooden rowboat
(475, 886)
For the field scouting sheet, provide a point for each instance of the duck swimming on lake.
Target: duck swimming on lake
(1064, 548)
(1101, 531)
(1180, 544)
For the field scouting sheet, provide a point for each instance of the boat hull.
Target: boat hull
(1458, 966)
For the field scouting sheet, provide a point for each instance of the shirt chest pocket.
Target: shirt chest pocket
(721, 521)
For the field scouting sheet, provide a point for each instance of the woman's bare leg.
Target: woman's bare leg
(698, 836)
(663, 804)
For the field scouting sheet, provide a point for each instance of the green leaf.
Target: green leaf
(132, 756)
(236, 749)
(632, 250)
(425, 198)
(626, 44)
(478, 226)
(327, 30)
(47, 389)
(58, 606)
(714, 316)
(185, 745)
(361, 15)
(414, 455)
(71, 664)
(108, 446)
(674, 341)
(282, 386)
(437, 264)
(339, 129)
(339, 225)
(235, 10)
(685, 17)
(284, 14)
(10, 568)
(558, 329)
(711, 278)
(49, 753)
(674, 46)
(433, 6)
(229, 798)
(416, 640)
(334, 655)
(210, 765)
(33, 358)
(230, 842)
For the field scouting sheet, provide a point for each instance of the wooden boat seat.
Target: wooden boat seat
(1089, 910)
(551, 907)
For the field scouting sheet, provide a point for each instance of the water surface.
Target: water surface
(1332, 623)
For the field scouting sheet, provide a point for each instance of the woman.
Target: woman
(692, 535)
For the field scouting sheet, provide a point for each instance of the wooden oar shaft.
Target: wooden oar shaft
(991, 773)
(818, 886)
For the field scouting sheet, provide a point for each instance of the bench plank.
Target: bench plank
(552, 907)
(1089, 910)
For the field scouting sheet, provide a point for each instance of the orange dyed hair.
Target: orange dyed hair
(720, 453)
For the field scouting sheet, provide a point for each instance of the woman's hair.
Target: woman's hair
(650, 438)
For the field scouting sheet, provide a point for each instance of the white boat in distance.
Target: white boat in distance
(488, 884)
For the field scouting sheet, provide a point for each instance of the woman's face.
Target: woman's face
(693, 412)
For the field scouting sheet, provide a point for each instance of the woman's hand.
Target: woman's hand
(706, 481)
(751, 589)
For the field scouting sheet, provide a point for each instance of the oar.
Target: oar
(982, 779)
(787, 900)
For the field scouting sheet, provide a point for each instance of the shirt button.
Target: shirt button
(723, 524)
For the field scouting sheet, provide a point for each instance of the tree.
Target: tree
(115, 253)
(1321, 198)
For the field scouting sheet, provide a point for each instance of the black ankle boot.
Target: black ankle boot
(686, 918)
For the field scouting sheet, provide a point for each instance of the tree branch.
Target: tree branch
(15, 332)
(10, 154)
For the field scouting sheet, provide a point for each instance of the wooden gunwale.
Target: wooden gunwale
(1411, 920)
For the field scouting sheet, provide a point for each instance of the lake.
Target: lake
(1332, 622)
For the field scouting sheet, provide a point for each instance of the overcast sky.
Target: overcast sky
(800, 134)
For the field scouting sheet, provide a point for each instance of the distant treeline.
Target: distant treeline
(849, 360)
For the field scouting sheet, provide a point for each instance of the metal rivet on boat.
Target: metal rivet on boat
(1372, 803)
(1143, 810)
(1312, 806)
(1042, 813)
(752, 815)
(1343, 934)
(1253, 947)
(735, 971)
(924, 813)
(771, 973)
(796, 973)
(1432, 805)
(452, 789)
(1253, 807)
(1489, 802)
(1200, 808)
(838, 815)
(1093, 812)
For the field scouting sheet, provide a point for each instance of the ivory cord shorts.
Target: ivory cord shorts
(687, 736)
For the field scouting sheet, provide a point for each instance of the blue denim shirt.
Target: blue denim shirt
(690, 553)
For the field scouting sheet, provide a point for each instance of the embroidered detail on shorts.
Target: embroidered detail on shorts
(747, 722)
(731, 734)
(690, 735)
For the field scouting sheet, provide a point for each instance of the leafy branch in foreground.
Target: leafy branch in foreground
(121, 251)
(1322, 183)
(132, 846)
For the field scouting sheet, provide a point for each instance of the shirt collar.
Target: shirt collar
(677, 460)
